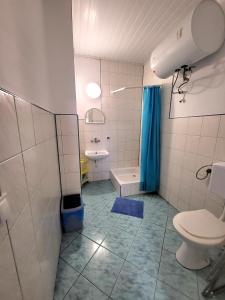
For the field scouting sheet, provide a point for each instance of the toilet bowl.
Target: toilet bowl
(200, 230)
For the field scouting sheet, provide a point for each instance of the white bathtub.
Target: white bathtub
(126, 180)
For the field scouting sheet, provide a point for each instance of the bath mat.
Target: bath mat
(128, 207)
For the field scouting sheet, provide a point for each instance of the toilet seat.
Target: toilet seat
(202, 224)
(200, 227)
(200, 230)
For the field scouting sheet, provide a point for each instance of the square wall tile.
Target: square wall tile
(194, 126)
(9, 134)
(9, 285)
(213, 207)
(60, 146)
(3, 232)
(221, 132)
(72, 183)
(25, 121)
(206, 146)
(71, 163)
(210, 126)
(24, 246)
(70, 144)
(13, 182)
(68, 125)
(58, 125)
(61, 163)
(38, 201)
(44, 124)
(201, 160)
(220, 149)
(35, 162)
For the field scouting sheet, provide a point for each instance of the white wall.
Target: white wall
(36, 64)
(191, 142)
(36, 53)
(206, 89)
(186, 145)
(87, 70)
(29, 175)
(122, 119)
(68, 143)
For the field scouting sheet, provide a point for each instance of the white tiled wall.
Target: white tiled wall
(187, 144)
(67, 131)
(123, 120)
(9, 284)
(29, 175)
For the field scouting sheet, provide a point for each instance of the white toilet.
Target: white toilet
(200, 229)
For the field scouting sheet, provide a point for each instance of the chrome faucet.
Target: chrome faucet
(95, 140)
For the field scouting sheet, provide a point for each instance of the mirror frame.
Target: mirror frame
(103, 115)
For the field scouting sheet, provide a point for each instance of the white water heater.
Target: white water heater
(199, 35)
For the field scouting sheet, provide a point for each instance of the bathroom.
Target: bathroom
(76, 78)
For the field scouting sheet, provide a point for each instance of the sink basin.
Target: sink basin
(96, 155)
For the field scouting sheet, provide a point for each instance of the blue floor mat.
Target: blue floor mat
(128, 207)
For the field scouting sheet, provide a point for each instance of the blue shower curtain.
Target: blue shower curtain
(150, 140)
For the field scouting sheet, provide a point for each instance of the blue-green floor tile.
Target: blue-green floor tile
(96, 234)
(156, 217)
(118, 241)
(177, 277)
(172, 241)
(135, 253)
(165, 292)
(171, 213)
(65, 278)
(84, 290)
(67, 238)
(149, 240)
(133, 284)
(145, 259)
(204, 273)
(78, 253)
(103, 269)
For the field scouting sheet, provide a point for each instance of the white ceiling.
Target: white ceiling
(125, 30)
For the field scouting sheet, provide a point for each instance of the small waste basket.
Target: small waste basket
(72, 212)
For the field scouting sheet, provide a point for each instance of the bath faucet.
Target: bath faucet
(95, 140)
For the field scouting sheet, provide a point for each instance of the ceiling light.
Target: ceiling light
(93, 90)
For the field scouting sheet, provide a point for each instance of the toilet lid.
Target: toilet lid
(203, 224)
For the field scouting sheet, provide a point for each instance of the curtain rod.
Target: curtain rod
(132, 87)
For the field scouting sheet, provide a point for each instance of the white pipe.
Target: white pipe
(129, 87)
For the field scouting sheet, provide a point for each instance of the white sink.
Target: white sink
(96, 155)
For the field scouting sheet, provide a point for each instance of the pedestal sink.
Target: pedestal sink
(96, 155)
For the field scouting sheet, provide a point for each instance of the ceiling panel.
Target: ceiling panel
(125, 30)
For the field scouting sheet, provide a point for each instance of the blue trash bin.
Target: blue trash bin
(72, 212)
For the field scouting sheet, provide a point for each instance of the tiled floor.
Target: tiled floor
(122, 257)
